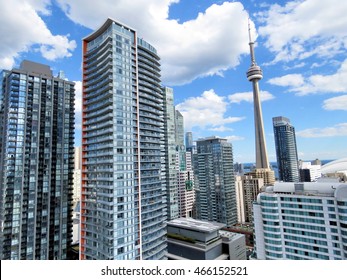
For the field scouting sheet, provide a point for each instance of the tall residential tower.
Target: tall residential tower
(214, 173)
(286, 151)
(123, 203)
(170, 154)
(36, 163)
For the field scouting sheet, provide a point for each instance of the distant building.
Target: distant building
(247, 190)
(76, 214)
(170, 137)
(77, 179)
(238, 168)
(316, 162)
(286, 151)
(189, 141)
(214, 179)
(185, 181)
(37, 121)
(309, 172)
(190, 239)
(266, 174)
(179, 128)
(302, 221)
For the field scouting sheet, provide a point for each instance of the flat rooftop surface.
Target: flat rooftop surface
(196, 225)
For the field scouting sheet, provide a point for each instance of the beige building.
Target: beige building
(267, 174)
(247, 189)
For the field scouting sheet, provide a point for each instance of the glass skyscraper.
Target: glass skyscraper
(123, 201)
(189, 141)
(286, 151)
(214, 180)
(170, 154)
(36, 163)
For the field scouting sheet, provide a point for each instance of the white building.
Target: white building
(309, 172)
(77, 179)
(301, 221)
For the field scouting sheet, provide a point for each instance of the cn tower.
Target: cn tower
(254, 74)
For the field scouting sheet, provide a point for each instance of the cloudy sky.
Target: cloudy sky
(203, 45)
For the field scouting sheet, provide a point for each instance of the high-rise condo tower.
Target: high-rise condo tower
(123, 202)
(37, 121)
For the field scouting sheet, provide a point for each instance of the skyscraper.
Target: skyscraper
(286, 152)
(123, 204)
(214, 173)
(189, 141)
(247, 190)
(170, 154)
(179, 128)
(254, 74)
(36, 163)
(185, 183)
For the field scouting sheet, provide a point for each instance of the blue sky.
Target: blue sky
(203, 44)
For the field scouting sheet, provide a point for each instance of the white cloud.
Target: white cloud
(21, 29)
(232, 138)
(334, 83)
(295, 66)
(40, 6)
(290, 80)
(248, 96)
(336, 103)
(206, 111)
(207, 45)
(221, 128)
(336, 130)
(301, 29)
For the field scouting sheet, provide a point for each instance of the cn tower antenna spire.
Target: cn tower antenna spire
(251, 44)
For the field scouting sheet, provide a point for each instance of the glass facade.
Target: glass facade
(170, 154)
(123, 203)
(299, 226)
(214, 173)
(37, 163)
(286, 151)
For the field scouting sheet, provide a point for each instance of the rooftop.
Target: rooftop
(196, 225)
(319, 188)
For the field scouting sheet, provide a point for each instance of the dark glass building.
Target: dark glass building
(36, 163)
(286, 151)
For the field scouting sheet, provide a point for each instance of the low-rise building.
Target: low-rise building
(190, 239)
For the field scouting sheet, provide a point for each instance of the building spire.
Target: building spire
(251, 44)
